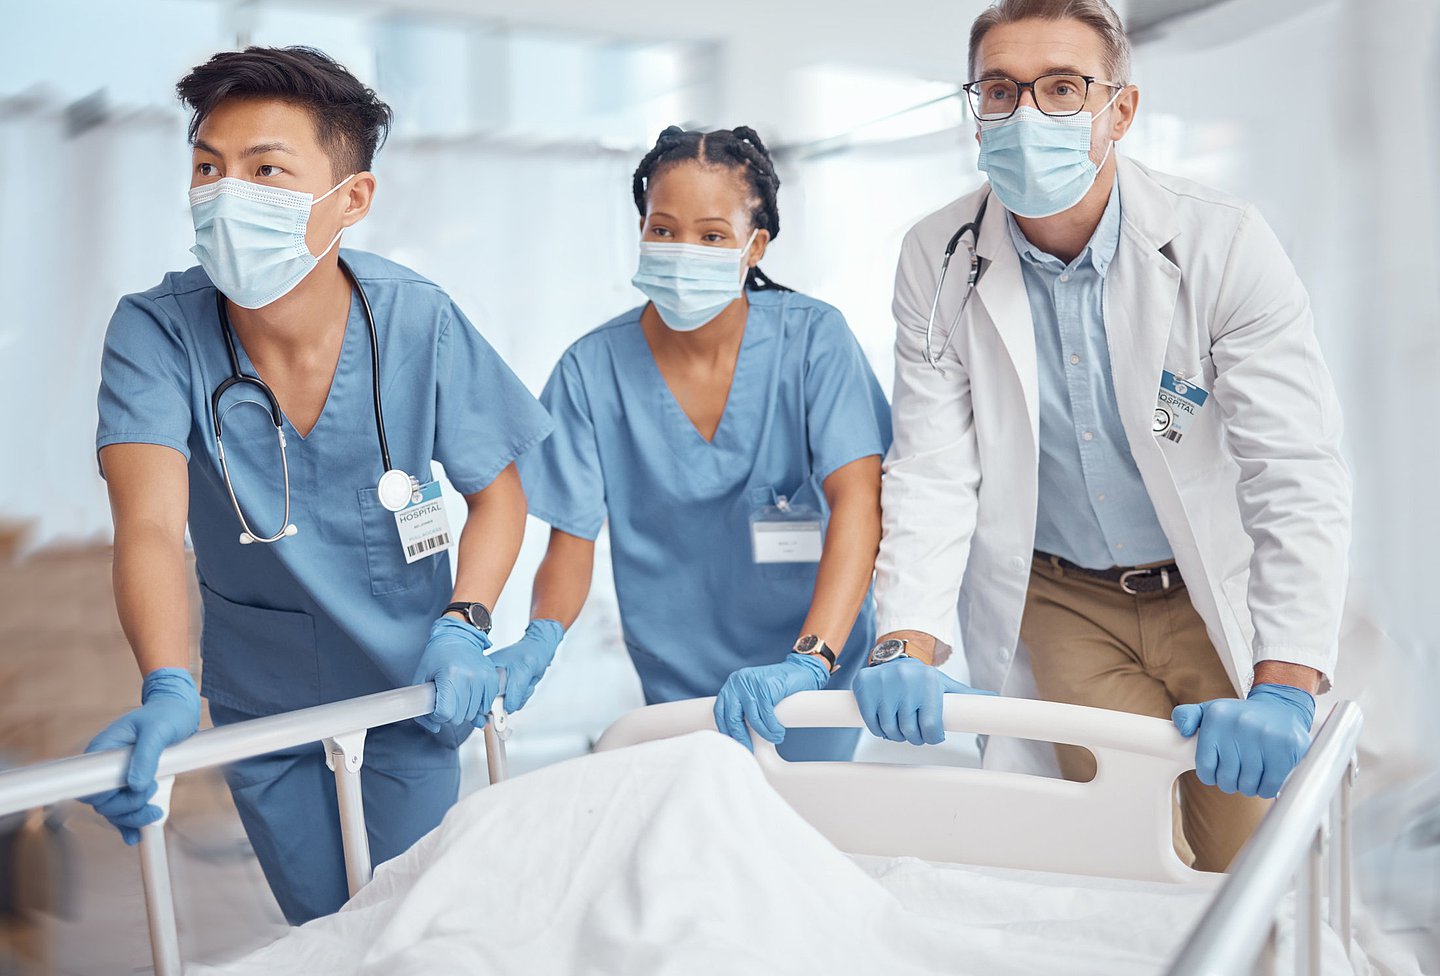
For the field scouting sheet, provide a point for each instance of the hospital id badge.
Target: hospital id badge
(785, 533)
(424, 525)
(1176, 406)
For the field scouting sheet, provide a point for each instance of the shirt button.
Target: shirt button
(1065, 277)
(1088, 436)
(1074, 360)
(1100, 497)
(1119, 545)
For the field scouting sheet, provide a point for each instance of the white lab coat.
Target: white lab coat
(1255, 499)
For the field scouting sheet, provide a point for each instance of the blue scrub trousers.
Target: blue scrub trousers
(287, 804)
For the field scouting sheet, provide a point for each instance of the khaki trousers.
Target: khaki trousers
(1091, 643)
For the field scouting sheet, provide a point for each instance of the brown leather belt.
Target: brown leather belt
(1133, 580)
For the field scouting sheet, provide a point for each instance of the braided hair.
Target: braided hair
(738, 148)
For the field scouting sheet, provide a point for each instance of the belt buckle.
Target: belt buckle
(1125, 579)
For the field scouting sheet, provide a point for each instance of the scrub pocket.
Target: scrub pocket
(258, 660)
(389, 573)
(763, 498)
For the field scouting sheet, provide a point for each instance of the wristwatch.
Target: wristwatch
(814, 646)
(886, 651)
(478, 614)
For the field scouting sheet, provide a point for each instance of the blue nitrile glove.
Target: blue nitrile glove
(169, 712)
(526, 660)
(466, 681)
(751, 694)
(903, 700)
(1249, 746)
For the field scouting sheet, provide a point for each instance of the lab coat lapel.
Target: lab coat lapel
(1141, 290)
(1001, 291)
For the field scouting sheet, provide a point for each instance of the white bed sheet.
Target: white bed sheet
(676, 857)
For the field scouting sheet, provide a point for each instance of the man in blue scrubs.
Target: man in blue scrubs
(358, 598)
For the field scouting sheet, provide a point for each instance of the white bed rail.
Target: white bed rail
(1118, 825)
(340, 726)
(1305, 838)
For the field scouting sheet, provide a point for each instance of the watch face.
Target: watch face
(479, 616)
(887, 651)
(807, 644)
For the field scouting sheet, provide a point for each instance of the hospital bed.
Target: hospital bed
(1116, 826)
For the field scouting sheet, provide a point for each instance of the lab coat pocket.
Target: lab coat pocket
(255, 659)
(384, 556)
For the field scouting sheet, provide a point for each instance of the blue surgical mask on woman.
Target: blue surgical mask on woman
(690, 284)
(1040, 165)
(250, 239)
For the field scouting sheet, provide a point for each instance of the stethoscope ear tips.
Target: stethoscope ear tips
(246, 538)
(291, 529)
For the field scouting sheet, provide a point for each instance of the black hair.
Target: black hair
(351, 121)
(739, 148)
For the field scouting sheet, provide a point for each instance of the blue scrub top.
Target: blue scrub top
(334, 611)
(694, 604)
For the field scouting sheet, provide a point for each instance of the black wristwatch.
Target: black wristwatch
(814, 646)
(478, 614)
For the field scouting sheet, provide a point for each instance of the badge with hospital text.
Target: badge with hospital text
(1176, 406)
(424, 526)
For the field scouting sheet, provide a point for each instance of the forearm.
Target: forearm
(847, 565)
(152, 596)
(490, 542)
(562, 583)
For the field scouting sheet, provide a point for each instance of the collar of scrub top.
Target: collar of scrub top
(395, 489)
(977, 268)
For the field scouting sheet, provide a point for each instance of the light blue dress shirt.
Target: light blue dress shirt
(1094, 509)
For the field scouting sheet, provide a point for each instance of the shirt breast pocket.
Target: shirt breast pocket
(384, 556)
(258, 660)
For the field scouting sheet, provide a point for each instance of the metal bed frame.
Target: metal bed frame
(1305, 838)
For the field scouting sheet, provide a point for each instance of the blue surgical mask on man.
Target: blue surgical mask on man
(1040, 165)
(250, 239)
(690, 284)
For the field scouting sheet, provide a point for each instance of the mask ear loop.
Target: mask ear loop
(322, 196)
(744, 253)
(1103, 109)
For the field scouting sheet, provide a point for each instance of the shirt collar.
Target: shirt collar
(1100, 250)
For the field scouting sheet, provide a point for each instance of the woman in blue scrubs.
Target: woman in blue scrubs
(731, 432)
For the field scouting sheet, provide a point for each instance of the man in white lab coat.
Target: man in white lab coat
(1121, 455)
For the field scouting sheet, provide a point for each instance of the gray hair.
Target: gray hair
(1098, 15)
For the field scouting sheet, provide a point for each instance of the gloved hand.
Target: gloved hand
(466, 681)
(903, 700)
(751, 694)
(1249, 746)
(526, 660)
(169, 712)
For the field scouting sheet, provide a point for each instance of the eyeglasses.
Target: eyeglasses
(1059, 95)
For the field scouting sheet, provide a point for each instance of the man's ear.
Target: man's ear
(357, 198)
(1123, 112)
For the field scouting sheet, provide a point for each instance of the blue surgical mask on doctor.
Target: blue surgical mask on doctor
(1040, 165)
(250, 239)
(690, 284)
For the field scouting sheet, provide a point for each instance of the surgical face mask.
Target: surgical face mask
(690, 284)
(1039, 165)
(250, 239)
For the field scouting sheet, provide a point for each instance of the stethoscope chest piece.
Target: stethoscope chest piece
(396, 490)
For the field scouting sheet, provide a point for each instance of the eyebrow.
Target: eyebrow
(259, 149)
(1062, 69)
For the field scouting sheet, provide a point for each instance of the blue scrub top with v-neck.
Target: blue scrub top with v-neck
(334, 611)
(694, 604)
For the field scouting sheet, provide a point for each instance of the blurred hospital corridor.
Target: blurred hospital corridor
(536, 358)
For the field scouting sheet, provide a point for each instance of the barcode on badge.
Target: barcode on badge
(1173, 435)
(427, 545)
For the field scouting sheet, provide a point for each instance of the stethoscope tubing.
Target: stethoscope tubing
(972, 228)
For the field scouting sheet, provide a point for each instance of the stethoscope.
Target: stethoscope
(396, 489)
(973, 229)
